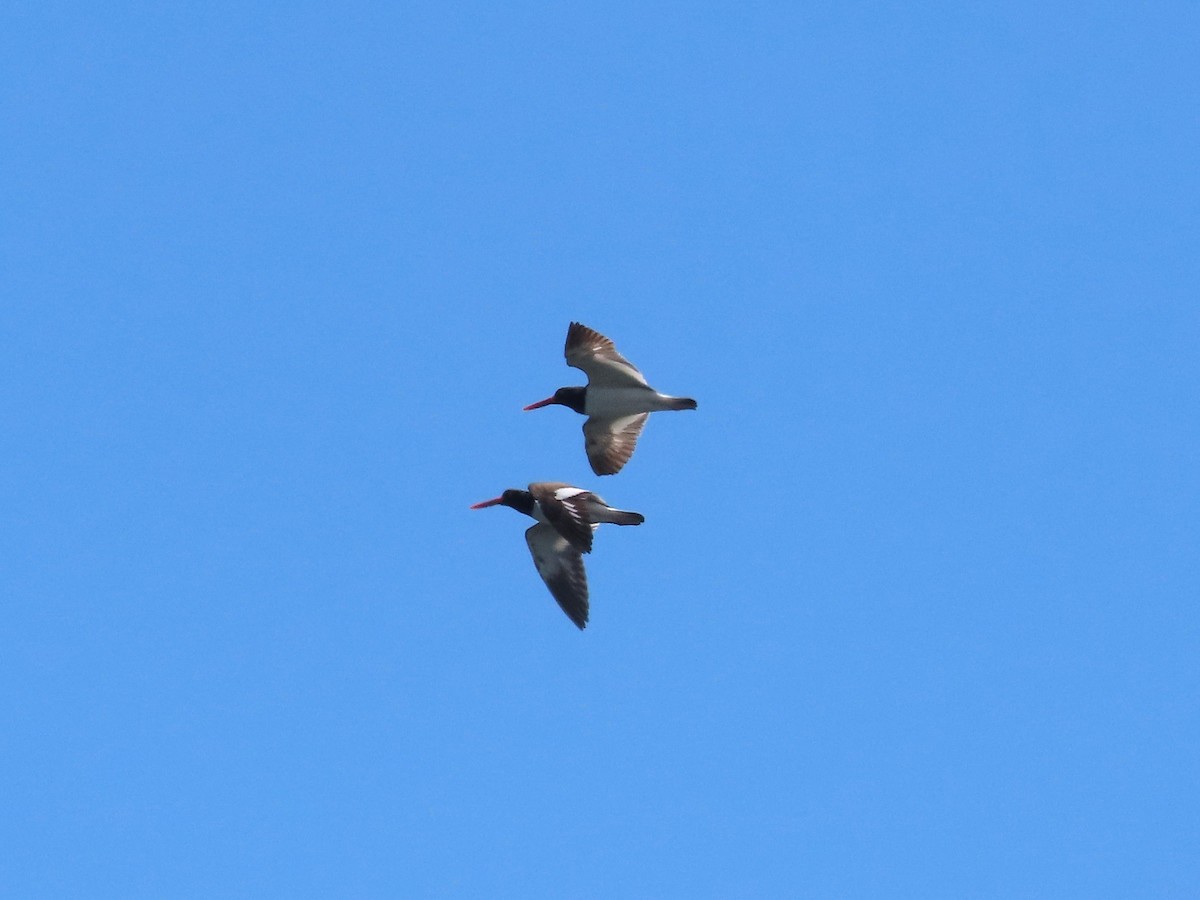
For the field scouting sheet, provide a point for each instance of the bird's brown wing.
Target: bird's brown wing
(565, 507)
(597, 356)
(610, 442)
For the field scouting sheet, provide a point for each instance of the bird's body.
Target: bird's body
(615, 402)
(617, 399)
(567, 516)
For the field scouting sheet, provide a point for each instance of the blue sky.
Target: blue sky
(913, 612)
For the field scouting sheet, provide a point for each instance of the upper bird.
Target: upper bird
(617, 399)
(566, 517)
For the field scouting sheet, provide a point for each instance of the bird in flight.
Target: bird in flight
(617, 399)
(566, 518)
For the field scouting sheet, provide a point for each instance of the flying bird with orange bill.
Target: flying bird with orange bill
(617, 399)
(567, 517)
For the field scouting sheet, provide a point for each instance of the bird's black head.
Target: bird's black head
(521, 501)
(570, 397)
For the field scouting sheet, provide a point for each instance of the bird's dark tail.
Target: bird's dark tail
(682, 403)
(624, 517)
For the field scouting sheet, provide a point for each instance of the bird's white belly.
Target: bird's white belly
(612, 403)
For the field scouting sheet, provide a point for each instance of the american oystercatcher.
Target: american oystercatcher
(617, 399)
(566, 518)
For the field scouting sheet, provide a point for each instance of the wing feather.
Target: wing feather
(610, 442)
(597, 356)
(561, 567)
(567, 512)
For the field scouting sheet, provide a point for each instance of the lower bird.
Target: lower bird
(566, 516)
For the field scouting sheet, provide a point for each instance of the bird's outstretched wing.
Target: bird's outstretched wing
(561, 567)
(597, 356)
(610, 442)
